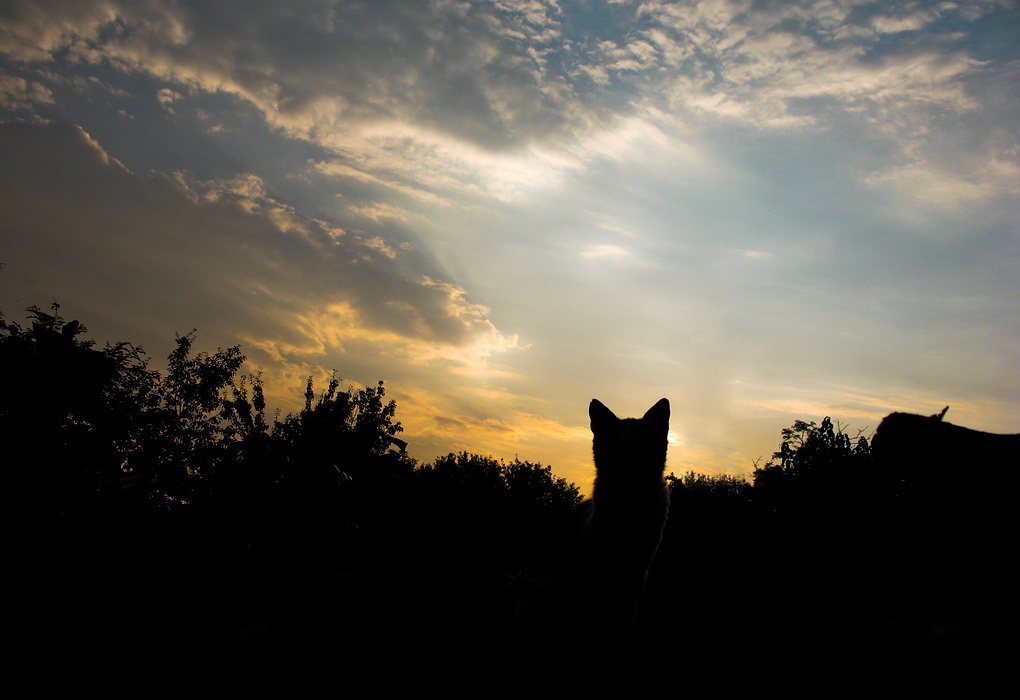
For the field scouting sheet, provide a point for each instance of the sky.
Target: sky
(763, 211)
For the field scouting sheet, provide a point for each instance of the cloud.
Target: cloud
(343, 183)
(33, 31)
(166, 97)
(604, 250)
(218, 254)
(492, 425)
(443, 100)
(20, 94)
(470, 69)
(941, 188)
(766, 57)
(338, 169)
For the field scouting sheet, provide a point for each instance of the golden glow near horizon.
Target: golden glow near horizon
(769, 215)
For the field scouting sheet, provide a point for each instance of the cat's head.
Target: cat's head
(622, 445)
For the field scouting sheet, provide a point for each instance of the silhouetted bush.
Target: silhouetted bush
(487, 521)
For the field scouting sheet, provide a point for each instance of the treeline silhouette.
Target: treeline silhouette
(172, 531)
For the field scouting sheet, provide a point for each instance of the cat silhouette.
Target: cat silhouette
(626, 515)
(592, 601)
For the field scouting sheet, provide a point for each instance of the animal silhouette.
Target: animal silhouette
(626, 514)
(927, 445)
(945, 469)
(955, 513)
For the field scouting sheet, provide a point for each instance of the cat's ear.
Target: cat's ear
(601, 417)
(659, 413)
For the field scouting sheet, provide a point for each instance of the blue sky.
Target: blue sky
(763, 211)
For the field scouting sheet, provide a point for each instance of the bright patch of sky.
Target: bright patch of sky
(762, 211)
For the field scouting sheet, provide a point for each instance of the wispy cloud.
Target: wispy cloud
(605, 250)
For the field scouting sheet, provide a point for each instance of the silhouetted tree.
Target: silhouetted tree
(245, 415)
(817, 467)
(490, 523)
(476, 479)
(513, 501)
(341, 436)
(59, 430)
(534, 486)
(719, 486)
(178, 430)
